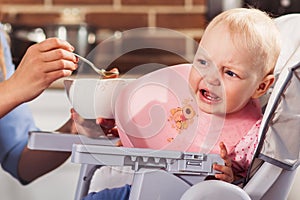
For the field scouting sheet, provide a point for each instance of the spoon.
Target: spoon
(102, 72)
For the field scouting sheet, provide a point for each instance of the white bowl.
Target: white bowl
(94, 98)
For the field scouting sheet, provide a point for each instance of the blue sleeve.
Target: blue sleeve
(14, 126)
(121, 193)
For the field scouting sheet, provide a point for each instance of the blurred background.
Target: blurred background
(86, 23)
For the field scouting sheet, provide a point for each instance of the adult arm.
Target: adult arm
(35, 163)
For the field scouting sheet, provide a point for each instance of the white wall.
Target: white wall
(50, 111)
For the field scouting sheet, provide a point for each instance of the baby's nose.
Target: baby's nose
(212, 77)
(213, 81)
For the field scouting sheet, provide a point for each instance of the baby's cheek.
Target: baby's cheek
(194, 79)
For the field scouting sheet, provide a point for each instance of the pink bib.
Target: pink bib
(159, 111)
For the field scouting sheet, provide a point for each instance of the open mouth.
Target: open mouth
(209, 97)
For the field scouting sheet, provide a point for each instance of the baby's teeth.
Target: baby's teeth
(208, 96)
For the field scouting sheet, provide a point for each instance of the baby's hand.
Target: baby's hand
(227, 173)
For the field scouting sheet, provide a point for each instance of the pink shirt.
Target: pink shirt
(239, 133)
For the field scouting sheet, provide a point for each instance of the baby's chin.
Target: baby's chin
(217, 109)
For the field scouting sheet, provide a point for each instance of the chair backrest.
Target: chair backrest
(282, 115)
(280, 137)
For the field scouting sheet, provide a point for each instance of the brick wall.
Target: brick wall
(108, 16)
(184, 15)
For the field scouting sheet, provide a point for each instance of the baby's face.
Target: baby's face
(229, 85)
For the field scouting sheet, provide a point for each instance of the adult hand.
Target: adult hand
(87, 127)
(42, 64)
(68, 127)
(108, 126)
(226, 170)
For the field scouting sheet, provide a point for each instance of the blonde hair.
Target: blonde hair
(256, 31)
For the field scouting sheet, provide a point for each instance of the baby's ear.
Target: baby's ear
(263, 86)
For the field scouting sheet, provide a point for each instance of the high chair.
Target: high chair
(181, 175)
(277, 156)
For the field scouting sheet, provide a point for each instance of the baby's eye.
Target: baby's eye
(202, 62)
(231, 73)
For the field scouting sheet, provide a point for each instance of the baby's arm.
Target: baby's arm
(227, 172)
